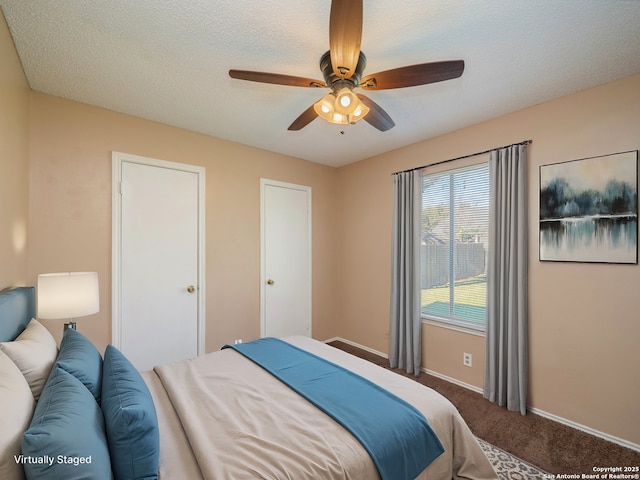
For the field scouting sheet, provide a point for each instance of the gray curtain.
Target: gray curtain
(405, 338)
(506, 365)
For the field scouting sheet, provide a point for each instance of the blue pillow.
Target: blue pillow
(79, 357)
(67, 435)
(130, 419)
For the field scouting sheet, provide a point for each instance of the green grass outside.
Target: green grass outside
(470, 300)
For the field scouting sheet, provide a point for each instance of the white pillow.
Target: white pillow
(16, 408)
(34, 352)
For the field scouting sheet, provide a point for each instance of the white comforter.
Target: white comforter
(223, 417)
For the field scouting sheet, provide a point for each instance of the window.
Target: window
(454, 242)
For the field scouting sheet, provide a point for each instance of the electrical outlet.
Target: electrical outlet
(467, 359)
(237, 341)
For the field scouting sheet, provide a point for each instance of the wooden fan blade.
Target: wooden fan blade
(413, 75)
(345, 36)
(276, 78)
(304, 119)
(377, 117)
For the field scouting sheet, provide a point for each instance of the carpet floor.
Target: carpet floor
(553, 447)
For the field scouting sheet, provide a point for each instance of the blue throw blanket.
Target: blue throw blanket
(396, 435)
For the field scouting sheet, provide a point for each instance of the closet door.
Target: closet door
(286, 259)
(158, 317)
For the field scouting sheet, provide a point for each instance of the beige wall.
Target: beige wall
(583, 318)
(70, 229)
(14, 164)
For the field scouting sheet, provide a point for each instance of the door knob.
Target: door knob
(270, 282)
(191, 289)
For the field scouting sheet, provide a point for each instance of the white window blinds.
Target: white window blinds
(454, 242)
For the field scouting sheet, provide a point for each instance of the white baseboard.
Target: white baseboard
(454, 381)
(542, 413)
(584, 428)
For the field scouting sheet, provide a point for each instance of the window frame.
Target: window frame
(435, 320)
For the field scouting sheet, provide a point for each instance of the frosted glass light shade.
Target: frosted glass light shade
(68, 295)
(346, 102)
(325, 106)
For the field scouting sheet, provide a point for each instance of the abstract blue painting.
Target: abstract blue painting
(589, 210)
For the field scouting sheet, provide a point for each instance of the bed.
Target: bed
(81, 414)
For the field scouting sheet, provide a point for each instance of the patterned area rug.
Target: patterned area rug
(509, 467)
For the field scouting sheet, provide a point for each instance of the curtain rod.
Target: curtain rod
(524, 142)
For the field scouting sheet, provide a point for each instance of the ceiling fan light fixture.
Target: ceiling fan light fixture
(341, 108)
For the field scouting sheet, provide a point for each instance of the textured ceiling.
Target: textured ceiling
(168, 61)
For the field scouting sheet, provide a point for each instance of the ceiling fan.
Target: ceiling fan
(343, 66)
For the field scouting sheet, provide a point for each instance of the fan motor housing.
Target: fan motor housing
(336, 82)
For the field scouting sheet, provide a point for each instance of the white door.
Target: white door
(158, 286)
(286, 259)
